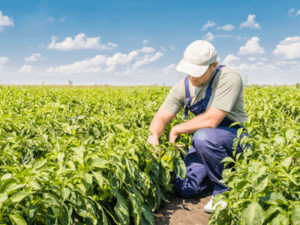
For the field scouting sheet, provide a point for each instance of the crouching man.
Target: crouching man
(214, 94)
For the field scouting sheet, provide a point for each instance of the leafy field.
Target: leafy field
(79, 156)
(265, 182)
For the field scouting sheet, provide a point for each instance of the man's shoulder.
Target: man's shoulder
(179, 87)
(230, 70)
(230, 73)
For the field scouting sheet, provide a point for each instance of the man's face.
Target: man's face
(196, 81)
(204, 78)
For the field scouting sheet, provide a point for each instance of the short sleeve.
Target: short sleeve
(175, 99)
(227, 91)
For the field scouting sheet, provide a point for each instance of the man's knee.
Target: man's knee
(203, 139)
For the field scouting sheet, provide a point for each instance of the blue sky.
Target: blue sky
(140, 42)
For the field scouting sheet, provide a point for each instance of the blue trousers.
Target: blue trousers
(204, 169)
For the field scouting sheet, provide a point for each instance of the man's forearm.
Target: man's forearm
(209, 119)
(198, 122)
(160, 121)
(157, 126)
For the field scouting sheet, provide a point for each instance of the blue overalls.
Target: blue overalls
(209, 147)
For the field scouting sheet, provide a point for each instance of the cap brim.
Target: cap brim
(191, 69)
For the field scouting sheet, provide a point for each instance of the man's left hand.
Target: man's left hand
(173, 134)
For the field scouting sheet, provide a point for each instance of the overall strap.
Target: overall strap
(209, 88)
(188, 98)
(208, 92)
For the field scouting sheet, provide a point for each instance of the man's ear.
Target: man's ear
(214, 65)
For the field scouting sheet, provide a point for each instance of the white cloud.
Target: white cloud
(251, 47)
(292, 12)
(81, 41)
(259, 67)
(227, 27)
(145, 42)
(209, 36)
(147, 59)
(289, 48)
(208, 25)
(251, 58)
(53, 20)
(146, 50)
(50, 20)
(230, 59)
(250, 22)
(241, 38)
(172, 48)
(34, 57)
(62, 19)
(5, 21)
(263, 59)
(101, 63)
(166, 48)
(169, 68)
(25, 69)
(163, 48)
(3, 61)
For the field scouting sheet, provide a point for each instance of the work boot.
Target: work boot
(209, 207)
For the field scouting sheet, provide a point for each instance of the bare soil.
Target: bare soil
(180, 211)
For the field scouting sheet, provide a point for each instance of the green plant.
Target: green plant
(264, 183)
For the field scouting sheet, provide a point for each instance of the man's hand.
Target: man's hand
(153, 139)
(174, 134)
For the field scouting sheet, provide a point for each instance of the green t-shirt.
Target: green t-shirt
(227, 95)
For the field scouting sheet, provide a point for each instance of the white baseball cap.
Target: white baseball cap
(197, 57)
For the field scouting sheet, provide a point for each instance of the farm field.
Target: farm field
(79, 156)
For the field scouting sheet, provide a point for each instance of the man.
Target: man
(215, 95)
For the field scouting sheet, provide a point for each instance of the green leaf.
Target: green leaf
(3, 197)
(66, 128)
(287, 162)
(121, 128)
(17, 219)
(99, 163)
(262, 184)
(295, 215)
(253, 214)
(104, 220)
(121, 210)
(279, 219)
(99, 178)
(6, 176)
(180, 168)
(274, 198)
(271, 210)
(13, 188)
(148, 215)
(228, 160)
(137, 208)
(65, 216)
(39, 163)
(17, 197)
(51, 199)
(130, 168)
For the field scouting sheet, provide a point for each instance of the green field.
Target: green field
(79, 156)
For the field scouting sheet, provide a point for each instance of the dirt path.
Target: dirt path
(180, 211)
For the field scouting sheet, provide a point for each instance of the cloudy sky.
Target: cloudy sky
(140, 42)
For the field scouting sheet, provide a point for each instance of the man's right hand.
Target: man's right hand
(153, 139)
